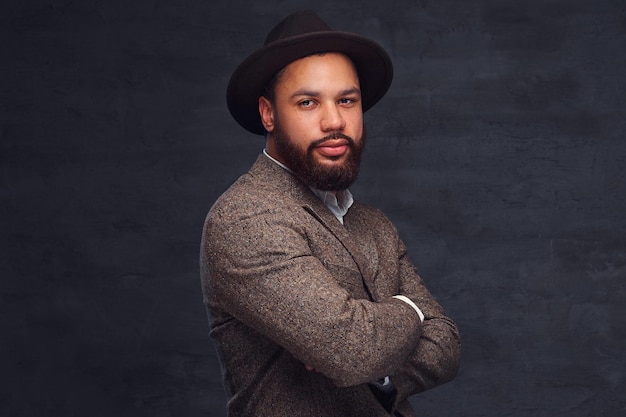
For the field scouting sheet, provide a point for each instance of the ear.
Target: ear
(266, 111)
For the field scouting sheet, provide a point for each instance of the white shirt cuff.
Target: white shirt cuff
(412, 304)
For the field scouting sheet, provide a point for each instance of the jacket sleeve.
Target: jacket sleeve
(435, 360)
(259, 269)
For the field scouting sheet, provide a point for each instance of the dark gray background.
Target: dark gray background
(499, 153)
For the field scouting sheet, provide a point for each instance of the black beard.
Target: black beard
(314, 174)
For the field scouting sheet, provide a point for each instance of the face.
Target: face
(315, 120)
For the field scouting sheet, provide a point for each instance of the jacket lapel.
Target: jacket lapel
(327, 219)
(316, 208)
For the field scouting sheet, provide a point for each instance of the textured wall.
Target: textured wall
(499, 152)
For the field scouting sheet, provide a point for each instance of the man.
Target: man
(314, 306)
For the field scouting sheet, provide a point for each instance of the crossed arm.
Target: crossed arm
(272, 282)
(435, 359)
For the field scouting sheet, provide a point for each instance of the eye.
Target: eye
(306, 103)
(347, 100)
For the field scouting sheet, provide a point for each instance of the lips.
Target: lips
(333, 148)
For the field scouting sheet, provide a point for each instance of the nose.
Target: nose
(332, 119)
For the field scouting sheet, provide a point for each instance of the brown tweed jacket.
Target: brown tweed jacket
(286, 284)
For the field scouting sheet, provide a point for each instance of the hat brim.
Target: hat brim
(373, 65)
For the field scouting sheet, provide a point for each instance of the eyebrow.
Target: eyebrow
(310, 93)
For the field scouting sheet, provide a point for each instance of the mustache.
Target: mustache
(332, 136)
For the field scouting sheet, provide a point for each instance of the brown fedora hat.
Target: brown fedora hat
(299, 35)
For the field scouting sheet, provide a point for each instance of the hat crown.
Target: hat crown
(296, 24)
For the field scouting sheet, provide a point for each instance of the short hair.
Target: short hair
(269, 89)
